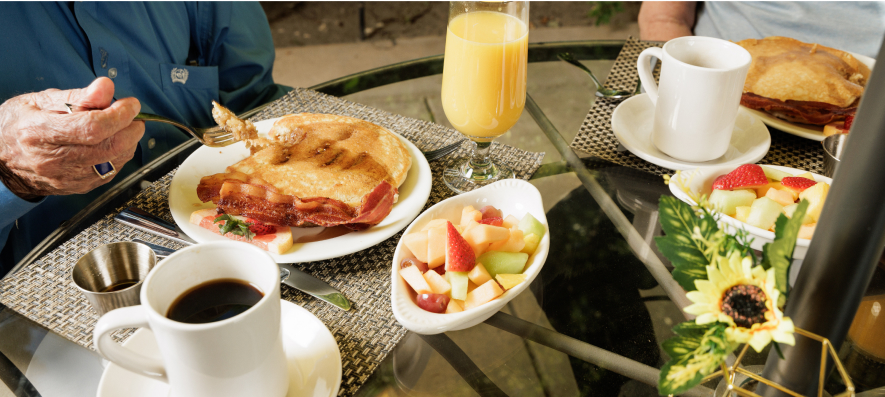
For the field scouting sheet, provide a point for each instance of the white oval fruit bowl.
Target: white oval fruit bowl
(513, 197)
(700, 181)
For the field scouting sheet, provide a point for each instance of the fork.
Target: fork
(213, 136)
(431, 155)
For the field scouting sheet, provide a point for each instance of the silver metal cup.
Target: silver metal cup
(110, 276)
(833, 147)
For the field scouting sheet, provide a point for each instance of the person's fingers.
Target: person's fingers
(90, 127)
(98, 95)
(118, 144)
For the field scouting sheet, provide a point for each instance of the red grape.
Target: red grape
(494, 221)
(434, 303)
(441, 270)
(413, 262)
(491, 212)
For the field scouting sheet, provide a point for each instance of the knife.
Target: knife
(290, 275)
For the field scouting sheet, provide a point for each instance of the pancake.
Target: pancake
(804, 82)
(331, 156)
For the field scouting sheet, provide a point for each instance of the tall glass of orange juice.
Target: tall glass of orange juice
(483, 88)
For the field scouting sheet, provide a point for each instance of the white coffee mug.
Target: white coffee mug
(239, 356)
(697, 101)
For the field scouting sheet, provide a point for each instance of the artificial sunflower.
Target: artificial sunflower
(745, 298)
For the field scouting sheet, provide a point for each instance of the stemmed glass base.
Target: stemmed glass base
(476, 171)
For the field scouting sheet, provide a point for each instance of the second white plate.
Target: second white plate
(632, 122)
(183, 201)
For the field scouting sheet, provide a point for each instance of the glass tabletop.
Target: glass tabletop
(591, 324)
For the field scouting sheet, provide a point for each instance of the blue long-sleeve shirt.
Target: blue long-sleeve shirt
(175, 58)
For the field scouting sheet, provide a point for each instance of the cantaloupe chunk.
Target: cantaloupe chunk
(434, 224)
(483, 294)
(437, 283)
(781, 197)
(417, 243)
(480, 234)
(510, 222)
(454, 307)
(509, 281)
(513, 244)
(762, 190)
(436, 247)
(469, 213)
(479, 275)
(807, 231)
(415, 280)
(478, 249)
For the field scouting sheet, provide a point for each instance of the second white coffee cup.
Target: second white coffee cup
(696, 103)
(238, 356)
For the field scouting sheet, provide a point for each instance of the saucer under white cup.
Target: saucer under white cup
(698, 96)
(632, 125)
(306, 341)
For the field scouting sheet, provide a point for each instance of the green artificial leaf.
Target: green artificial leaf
(696, 352)
(689, 252)
(233, 226)
(778, 254)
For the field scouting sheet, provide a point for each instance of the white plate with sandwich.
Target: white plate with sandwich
(333, 178)
(816, 80)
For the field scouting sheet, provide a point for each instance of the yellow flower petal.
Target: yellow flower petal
(705, 318)
(699, 297)
(759, 340)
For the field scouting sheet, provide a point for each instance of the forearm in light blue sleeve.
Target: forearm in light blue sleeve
(12, 207)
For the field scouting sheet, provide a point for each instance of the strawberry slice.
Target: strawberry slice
(494, 221)
(259, 228)
(459, 255)
(848, 121)
(797, 183)
(745, 176)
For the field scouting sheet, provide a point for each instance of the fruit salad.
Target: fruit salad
(757, 195)
(456, 267)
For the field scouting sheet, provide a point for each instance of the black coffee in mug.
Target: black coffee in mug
(214, 300)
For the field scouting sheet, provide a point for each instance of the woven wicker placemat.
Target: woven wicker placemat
(596, 137)
(366, 334)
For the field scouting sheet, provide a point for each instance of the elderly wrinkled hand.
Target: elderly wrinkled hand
(45, 151)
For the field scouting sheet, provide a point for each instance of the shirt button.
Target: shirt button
(112, 72)
(152, 143)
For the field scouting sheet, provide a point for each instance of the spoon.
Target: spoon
(601, 91)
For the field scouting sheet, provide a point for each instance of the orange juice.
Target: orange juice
(484, 72)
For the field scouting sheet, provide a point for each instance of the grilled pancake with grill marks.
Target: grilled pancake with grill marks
(322, 155)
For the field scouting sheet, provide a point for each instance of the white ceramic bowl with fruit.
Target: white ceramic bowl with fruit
(485, 259)
(761, 205)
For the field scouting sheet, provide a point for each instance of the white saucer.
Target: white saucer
(307, 341)
(632, 122)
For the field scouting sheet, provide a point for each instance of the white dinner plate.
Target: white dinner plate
(513, 197)
(807, 131)
(183, 201)
(701, 182)
(632, 123)
(311, 350)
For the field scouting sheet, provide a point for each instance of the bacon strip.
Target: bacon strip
(798, 111)
(238, 195)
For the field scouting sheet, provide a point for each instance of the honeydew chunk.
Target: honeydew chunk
(454, 307)
(510, 222)
(470, 214)
(528, 224)
(497, 262)
(509, 281)
(437, 283)
(436, 247)
(481, 234)
(415, 280)
(741, 213)
(806, 175)
(479, 275)
(725, 201)
(435, 223)
(417, 243)
(483, 294)
(458, 281)
(513, 244)
(531, 243)
(781, 197)
(790, 209)
(764, 212)
(816, 195)
(774, 174)
(807, 231)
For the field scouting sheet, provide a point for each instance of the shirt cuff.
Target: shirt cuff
(13, 207)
